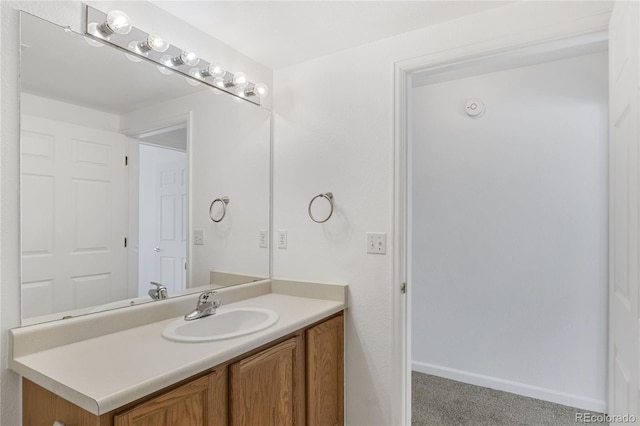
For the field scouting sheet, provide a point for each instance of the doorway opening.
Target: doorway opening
(162, 208)
(506, 209)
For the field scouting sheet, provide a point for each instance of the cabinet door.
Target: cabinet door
(201, 402)
(43, 407)
(325, 381)
(267, 388)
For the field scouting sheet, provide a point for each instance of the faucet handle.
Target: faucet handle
(206, 297)
(206, 306)
(158, 293)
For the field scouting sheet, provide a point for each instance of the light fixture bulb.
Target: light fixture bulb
(216, 70)
(152, 42)
(185, 58)
(188, 58)
(240, 92)
(157, 43)
(261, 90)
(212, 70)
(117, 22)
(239, 79)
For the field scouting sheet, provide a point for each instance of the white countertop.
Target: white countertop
(103, 373)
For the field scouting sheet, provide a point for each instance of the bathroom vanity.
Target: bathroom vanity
(85, 372)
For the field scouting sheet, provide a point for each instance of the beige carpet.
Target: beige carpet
(442, 402)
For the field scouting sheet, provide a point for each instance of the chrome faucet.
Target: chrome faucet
(158, 293)
(206, 306)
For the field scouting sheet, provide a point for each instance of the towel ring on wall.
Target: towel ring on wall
(224, 200)
(327, 196)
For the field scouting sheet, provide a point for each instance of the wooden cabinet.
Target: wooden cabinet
(267, 389)
(201, 402)
(296, 381)
(325, 375)
(42, 407)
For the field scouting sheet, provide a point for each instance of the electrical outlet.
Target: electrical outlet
(198, 237)
(282, 239)
(376, 242)
(263, 238)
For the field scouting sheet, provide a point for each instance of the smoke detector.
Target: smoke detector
(474, 107)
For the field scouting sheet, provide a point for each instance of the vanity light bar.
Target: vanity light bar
(169, 57)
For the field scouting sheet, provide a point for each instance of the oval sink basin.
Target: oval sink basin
(225, 324)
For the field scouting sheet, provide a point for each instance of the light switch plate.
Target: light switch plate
(198, 237)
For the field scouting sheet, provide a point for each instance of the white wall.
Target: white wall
(145, 16)
(334, 132)
(509, 236)
(54, 109)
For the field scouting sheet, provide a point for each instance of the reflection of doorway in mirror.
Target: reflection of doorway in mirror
(74, 221)
(162, 216)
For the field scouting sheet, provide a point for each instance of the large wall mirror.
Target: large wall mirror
(121, 162)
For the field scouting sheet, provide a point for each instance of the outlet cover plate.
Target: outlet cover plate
(376, 242)
(263, 238)
(282, 239)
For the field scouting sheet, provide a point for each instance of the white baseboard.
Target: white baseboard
(523, 389)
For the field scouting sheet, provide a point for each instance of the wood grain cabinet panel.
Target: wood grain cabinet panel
(325, 373)
(265, 389)
(194, 404)
(42, 407)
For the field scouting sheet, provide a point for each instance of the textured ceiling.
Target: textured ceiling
(282, 33)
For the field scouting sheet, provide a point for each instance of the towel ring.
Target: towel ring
(327, 196)
(224, 201)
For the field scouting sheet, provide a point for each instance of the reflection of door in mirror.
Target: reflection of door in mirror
(74, 220)
(162, 211)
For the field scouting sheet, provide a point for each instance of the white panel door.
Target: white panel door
(74, 216)
(624, 116)
(171, 224)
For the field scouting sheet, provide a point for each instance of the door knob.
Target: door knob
(156, 249)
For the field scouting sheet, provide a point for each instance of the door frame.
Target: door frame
(149, 125)
(551, 38)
